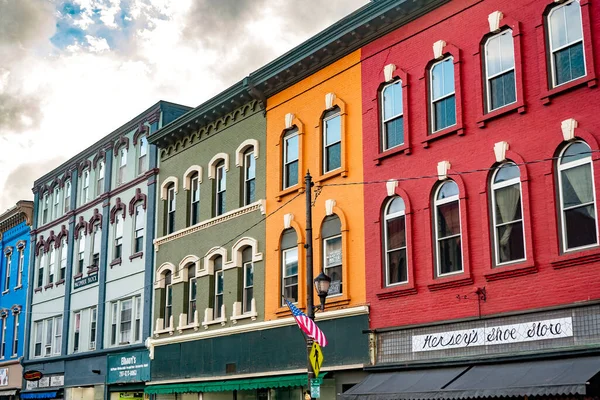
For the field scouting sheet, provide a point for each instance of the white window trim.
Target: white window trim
(488, 78)
(187, 176)
(283, 275)
(92, 338)
(67, 197)
(56, 203)
(7, 267)
(501, 185)
(394, 117)
(165, 185)
(212, 165)
(243, 148)
(20, 267)
(118, 338)
(553, 50)
(568, 165)
(15, 341)
(388, 217)
(222, 190)
(247, 154)
(246, 301)
(324, 139)
(192, 202)
(4, 321)
(433, 101)
(325, 267)
(218, 273)
(75, 330)
(289, 135)
(438, 203)
(85, 187)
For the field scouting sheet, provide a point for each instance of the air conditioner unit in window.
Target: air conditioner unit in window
(48, 350)
(92, 345)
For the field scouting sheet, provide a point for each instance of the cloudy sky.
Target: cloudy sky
(73, 71)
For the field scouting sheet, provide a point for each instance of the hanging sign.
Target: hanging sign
(32, 375)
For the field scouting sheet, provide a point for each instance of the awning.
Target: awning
(572, 376)
(230, 385)
(38, 395)
(8, 392)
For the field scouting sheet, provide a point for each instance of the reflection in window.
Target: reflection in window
(566, 43)
(331, 231)
(443, 98)
(500, 70)
(332, 140)
(219, 282)
(220, 189)
(248, 270)
(289, 265)
(290, 158)
(392, 115)
(447, 229)
(249, 178)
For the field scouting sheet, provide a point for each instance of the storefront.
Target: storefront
(10, 380)
(549, 354)
(39, 385)
(127, 373)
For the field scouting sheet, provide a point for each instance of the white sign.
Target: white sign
(44, 382)
(57, 380)
(3, 376)
(492, 335)
(32, 385)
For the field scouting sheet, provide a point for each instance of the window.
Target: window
(443, 98)
(500, 83)
(290, 158)
(125, 320)
(248, 280)
(118, 235)
(331, 231)
(52, 264)
(100, 178)
(57, 335)
(332, 140)
(507, 214)
(137, 332)
(249, 178)
(63, 259)
(85, 187)
(392, 116)
(396, 270)
(171, 209)
(56, 203)
(289, 266)
(577, 197)
(76, 331)
(140, 216)
(7, 271)
(46, 205)
(122, 165)
(96, 245)
(15, 344)
(21, 266)
(168, 299)
(220, 190)
(113, 323)
(93, 322)
(219, 282)
(4, 322)
(143, 152)
(81, 252)
(42, 264)
(194, 199)
(448, 249)
(67, 199)
(192, 292)
(566, 43)
(37, 347)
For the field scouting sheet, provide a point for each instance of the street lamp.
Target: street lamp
(322, 283)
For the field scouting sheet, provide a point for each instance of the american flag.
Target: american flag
(307, 325)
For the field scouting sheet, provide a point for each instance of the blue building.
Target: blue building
(15, 226)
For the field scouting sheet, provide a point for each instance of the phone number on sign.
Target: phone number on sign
(127, 373)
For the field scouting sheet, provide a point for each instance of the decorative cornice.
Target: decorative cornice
(122, 141)
(39, 245)
(100, 155)
(119, 206)
(49, 241)
(96, 217)
(81, 224)
(86, 164)
(139, 196)
(64, 233)
(141, 131)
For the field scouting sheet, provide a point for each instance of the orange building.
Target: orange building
(316, 125)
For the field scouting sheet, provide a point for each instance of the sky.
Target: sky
(73, 71)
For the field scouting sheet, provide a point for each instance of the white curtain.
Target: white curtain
(507, 205)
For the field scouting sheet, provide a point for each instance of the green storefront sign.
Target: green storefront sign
(133, 366)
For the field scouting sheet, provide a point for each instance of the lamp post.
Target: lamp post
(321, 282)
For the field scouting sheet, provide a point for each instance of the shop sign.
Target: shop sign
(129, 367)
(86, 280)
(57, 380)
(32, 375)
(44, 382)
(31, 385)
(131, 396)
(494, 335)
(3, 376)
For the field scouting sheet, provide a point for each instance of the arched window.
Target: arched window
(122, 167)
(289, 265)
(41, 266)
(194, 199)
(140, 224)
(142, 155)
(170, 210)
(500, 83)
(67, 197)
(290, 158)
(7, 268)
(331, 232)
(118, 245)
(100, 178)
(56, 203)
(577, 197)
(248, 271)
(219, 282)
(220, 188)
(332, 140)
(507, 214)
(565, 36)
(85, 187)
(52, 264)
(192, 293)
(249, 177)
(392, 115)
(168, 299)
(96, 245)
(442, 95)
(396, 269)
(63, 259)
(448, 237)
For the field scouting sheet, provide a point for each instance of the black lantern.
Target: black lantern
(322, 283)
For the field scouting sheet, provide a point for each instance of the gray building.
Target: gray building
(90, 289)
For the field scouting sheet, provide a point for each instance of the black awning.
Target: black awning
(403, 385)
(572, 376)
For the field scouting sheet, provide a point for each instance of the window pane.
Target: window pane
(444, 113)
(575, 151)
(508, 204)
(333, 130)
(291, 288)
(250, 166)
(250, 191)
(506, 172)
(396, 263)
(450, 259)
(219, 287)
(334, 160)
(569, 63)
(448, 219)
(510, 242)
(573, 21)
(291, 148)
(291, 262)
(392, 100)
(557, 28)
(580, 225)
(292, 174)
(249, 275)
(396, 231)
(394, 132)
(447, 190)
(503, 90)
(577, 185)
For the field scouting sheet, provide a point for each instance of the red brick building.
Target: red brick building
(483, 245)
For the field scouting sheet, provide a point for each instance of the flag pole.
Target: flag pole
(310, 310)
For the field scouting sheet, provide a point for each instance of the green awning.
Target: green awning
(230, 385)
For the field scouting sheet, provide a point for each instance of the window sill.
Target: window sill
(195, 326)
(589, 80)
(236, 318)
(170, 331)
(222, 321)
(38, 289)
(18, 287)
(5, 292)
(139, 254)
(392, 292)
(331, 174)
(450, 283)
(569, 260)
(49, 286)
(92, 270)
(116, 261)
(405, 148)
(458, 130)
(60, 282)
(75, 277)
(285, 192)
(510, 271)
(519, 107)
